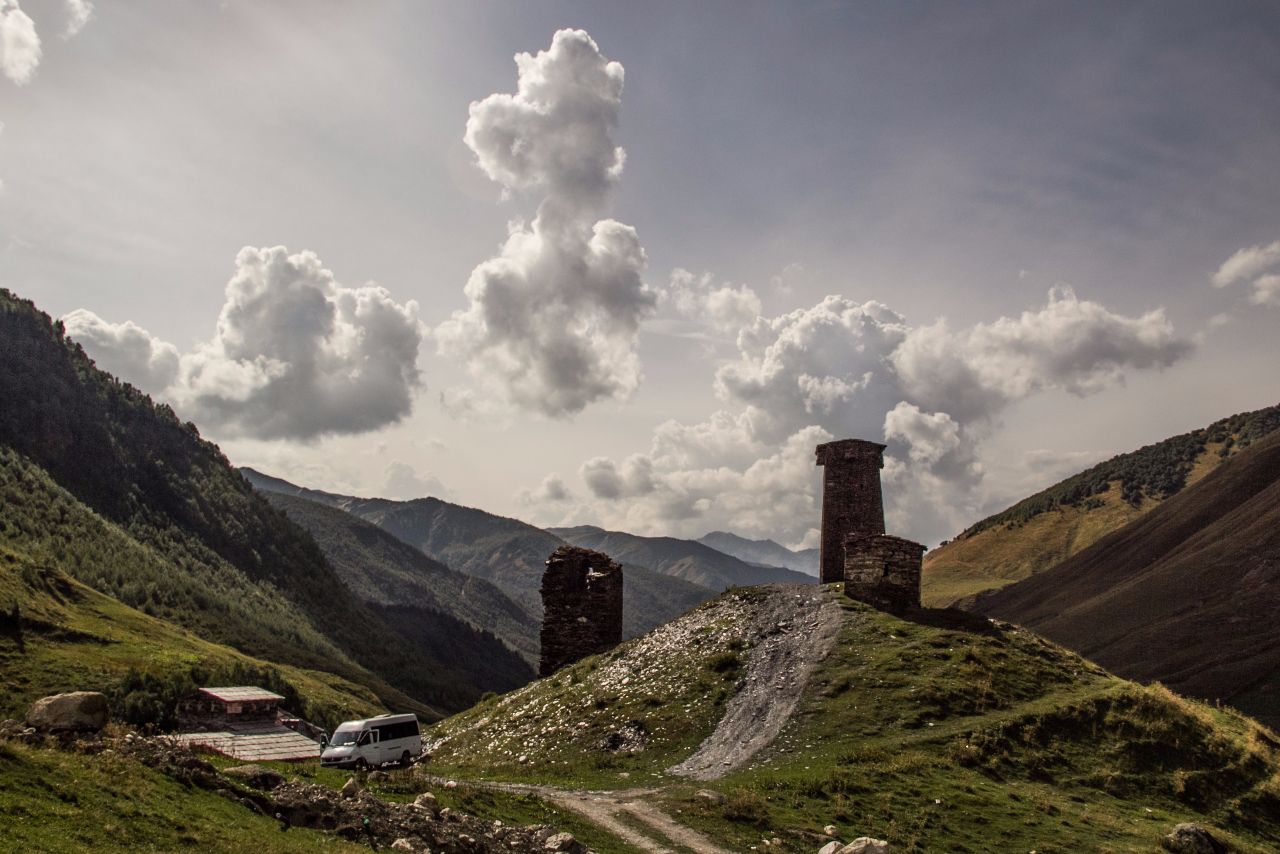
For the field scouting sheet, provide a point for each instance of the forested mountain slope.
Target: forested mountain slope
(507, 552)
(1055, 523)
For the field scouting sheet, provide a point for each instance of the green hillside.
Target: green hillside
(938, 734)
(507, 552)
(1056, 523)
(189, 539)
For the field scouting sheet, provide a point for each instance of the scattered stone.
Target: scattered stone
(79, 711)
(1188, 838)
(402, 844)
(255, 775)
(563, 842)
(426, 801)
(830, 848)
(351, 788)
(378, 776)
(452, 784)
(710, 796)
(866, 845)
(829, 830)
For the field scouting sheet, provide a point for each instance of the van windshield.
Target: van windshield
(343, 738)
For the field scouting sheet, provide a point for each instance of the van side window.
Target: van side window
(403, 729)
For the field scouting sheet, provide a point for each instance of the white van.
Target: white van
(374, 742)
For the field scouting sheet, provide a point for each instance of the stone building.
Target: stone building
(883, 571)
(581, 607)
(851, 500)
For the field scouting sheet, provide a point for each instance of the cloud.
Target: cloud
(1246, 263)
(552, 490)
(847, 369)
(553, 320)
(403, 482)
(725, 308)
(1071, 344)
(295, 355)
(78, 14)
(126, 350)
(19, 44)
(1266, 290)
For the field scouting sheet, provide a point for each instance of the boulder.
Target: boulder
(256, 776)
(426, 801)
(402, 844)
(351, 788)
(79, 711)
(1190, 838)
(829, 830)
(563, 842)
(866, 845)
(379, 776)
(710, 796)
(831, 848)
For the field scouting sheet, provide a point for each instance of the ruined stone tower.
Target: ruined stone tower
(883, 571)
(851, 501)
(581, 607)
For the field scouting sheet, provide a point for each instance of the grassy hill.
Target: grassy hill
(764, 552)
(1187, 594)
(402, 583)
(934, 734)
(686, 559)
(104, 484)
(1056, 523)
(507, 552)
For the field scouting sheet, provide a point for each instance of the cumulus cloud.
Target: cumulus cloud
(78, 14)
(552, 490)
(842, 368)
(295, 354)
(1246, 263)
(126, 350)
(403, 482)
(723, 307)
(1266, 290)
(19, 44)
(552, 321)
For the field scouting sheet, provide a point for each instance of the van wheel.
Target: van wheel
(405, 760)
(361, 765)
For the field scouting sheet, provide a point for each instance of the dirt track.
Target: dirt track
(796, 628)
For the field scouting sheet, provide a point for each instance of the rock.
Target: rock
(866, 845)
(1190, 838)
(830, 848)
(378, 776)
(79, 711)
(563, 842)
(426, 801)
(402, 844)
(256, 776)
(710, 796)
(351, 788)
(829, 830)
(452, 784)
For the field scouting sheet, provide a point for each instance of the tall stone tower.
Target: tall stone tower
(581, 607)
(851, 500)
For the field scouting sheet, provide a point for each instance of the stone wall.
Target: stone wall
(883, 571)
(851, 499)
(582, 607)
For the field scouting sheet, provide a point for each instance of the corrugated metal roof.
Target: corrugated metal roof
(264, 743)
(241, 694)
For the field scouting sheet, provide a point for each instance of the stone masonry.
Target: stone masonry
(851, 500)
(883, 571)
(581, 607)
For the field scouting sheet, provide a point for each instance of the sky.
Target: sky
(626, 264)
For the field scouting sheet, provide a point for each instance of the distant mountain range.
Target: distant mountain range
(763, 552)
(1056, 523)
(1186, 595)
(507, 552)
(688, 559)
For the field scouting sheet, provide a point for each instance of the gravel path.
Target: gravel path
(796, 628)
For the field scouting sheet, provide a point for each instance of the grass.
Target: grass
(934, 737)
(53, 801)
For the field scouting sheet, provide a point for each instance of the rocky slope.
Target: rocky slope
(1056, 523)
(1186, 595)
